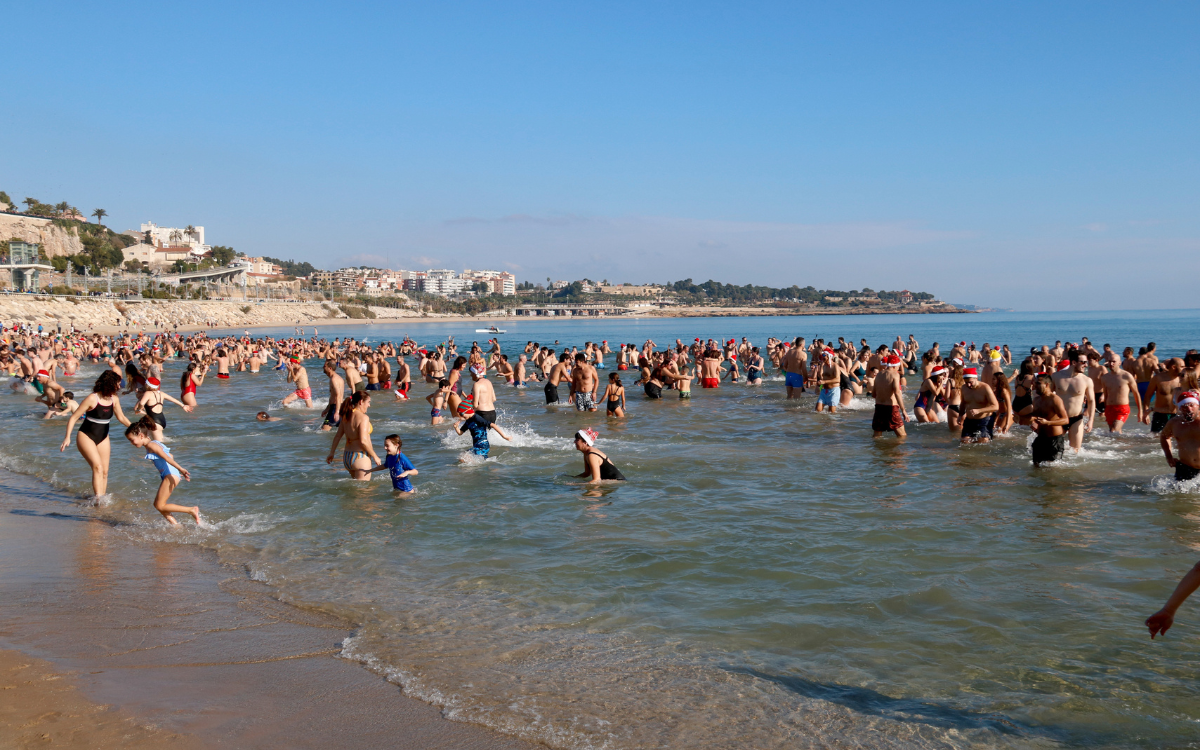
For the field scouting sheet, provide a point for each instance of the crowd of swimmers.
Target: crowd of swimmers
(1056, 391)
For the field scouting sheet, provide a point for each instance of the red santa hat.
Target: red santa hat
(153, 383)
(1188, 397)
(588, 436)
(971, 372)
(891, 361)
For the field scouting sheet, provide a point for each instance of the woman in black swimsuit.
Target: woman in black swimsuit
(92, 440)
(595, 464)
(151, 404)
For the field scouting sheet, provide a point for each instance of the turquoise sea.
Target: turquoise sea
(768, 577)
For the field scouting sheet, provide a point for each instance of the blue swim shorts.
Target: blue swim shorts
(829, 396)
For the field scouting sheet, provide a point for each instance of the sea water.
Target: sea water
(767, 576)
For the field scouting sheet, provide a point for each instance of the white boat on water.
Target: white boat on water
(493, 329)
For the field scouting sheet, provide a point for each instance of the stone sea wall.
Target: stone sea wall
(85, 313)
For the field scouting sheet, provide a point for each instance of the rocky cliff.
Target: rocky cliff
(54, 239)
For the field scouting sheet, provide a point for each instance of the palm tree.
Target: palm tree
(62, 207)
(190, 231)
(99, 213)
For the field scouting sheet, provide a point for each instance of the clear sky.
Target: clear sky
(1027, 155)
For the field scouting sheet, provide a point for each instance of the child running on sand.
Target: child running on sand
(397, 464)
(141, 435)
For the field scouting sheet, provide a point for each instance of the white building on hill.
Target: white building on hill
(192, 237)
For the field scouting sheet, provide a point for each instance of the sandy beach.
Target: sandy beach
(109, 643)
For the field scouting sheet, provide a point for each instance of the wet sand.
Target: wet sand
(112, 643)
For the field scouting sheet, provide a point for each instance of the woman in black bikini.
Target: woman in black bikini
(92, 440)
(151, 404)
(595, 464)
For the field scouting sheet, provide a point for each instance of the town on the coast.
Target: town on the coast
(57, 250)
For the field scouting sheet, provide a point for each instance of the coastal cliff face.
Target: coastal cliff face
(85, 313)
(54, 239)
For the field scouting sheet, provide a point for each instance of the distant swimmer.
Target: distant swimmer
(614, 396)
(979, 407)
(889, 399)
(1158, 396)
(1117, 385)
(92, 440)
(559, 371)
(828, 373)
(397, 465)
(1078, 395)
(359, 456)
(64, 408)
(141, 435)
(584, 384)
(438, 402)
(298, 375)
(596, 465)
(331, 415)
(51, 392)
(193, 378)
(710, 369)
(795, 368)
(932, 394)
(151, 404)
(479, 426)
(754, 367)
(403, 378)
(1185, 431)
(1145, 367)
(1047, 416)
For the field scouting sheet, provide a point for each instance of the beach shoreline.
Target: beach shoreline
(160, 644)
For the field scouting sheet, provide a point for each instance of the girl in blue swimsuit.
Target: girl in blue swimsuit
(141, 435)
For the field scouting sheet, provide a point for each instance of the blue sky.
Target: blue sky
(1036, 156)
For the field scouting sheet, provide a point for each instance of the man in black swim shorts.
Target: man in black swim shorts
(1184, 429)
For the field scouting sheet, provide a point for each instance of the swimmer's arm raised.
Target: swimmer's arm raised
(1160, 622)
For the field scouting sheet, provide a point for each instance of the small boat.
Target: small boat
(493, 329)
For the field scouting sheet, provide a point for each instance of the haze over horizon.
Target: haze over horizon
(1025, 156)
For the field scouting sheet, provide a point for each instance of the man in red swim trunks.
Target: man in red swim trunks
(889, 399)
(710, 369)
(1118, 385)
